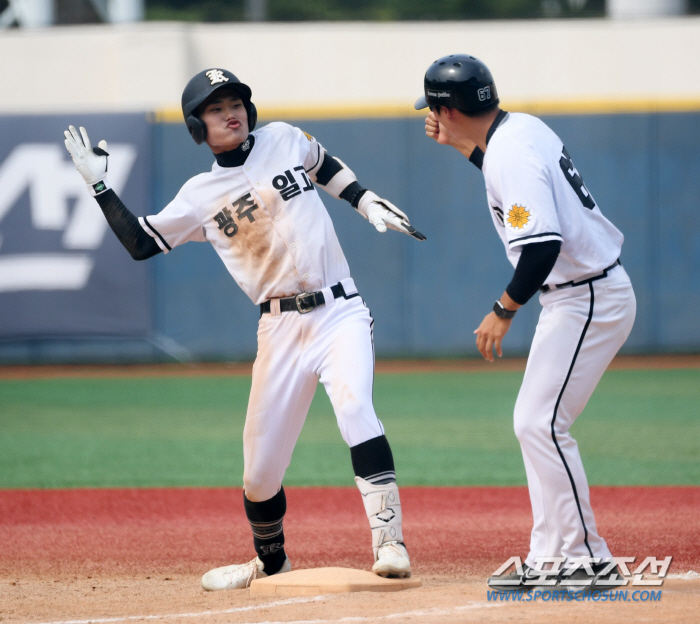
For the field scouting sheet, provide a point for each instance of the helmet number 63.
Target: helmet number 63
(575, 179)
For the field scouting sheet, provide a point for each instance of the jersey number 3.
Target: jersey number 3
(576, 181)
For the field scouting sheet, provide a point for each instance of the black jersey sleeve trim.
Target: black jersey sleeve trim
(535, 264)
(157, 233)
(318, 157)
(127, 227)
(522, 238)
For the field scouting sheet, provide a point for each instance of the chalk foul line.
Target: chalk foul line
(128, 618)
(433, 612)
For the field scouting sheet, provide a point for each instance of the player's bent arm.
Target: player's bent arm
(126, 226)
(91, 163)
(334, 176)
(535, 264)
(337, 179)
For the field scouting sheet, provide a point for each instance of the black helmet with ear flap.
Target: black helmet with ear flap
(458, 81)
(200, 87)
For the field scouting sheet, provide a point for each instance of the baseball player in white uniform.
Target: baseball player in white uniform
(259, 209)
(562, 246)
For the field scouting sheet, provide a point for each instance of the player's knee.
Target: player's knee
(529, 430)
(356, 424)
(259, 488)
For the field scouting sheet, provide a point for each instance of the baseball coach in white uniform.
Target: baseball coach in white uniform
(259, 209)
(562, 246)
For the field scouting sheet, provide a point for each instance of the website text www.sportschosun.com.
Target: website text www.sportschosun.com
(580, 596)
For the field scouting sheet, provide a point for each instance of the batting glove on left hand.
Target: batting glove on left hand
(90, 161)
(381, 213)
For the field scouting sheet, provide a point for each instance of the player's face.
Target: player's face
(227, 122)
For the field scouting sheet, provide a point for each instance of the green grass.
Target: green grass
(640, 428)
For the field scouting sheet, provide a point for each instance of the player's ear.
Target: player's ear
(197, 128)
(252, 116)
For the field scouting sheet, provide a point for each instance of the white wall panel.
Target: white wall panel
(365, 66)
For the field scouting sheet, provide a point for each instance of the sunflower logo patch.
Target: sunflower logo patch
(518, 217)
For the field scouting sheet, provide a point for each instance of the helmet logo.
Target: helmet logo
(438, 94)
(484, 94)
(215, 76)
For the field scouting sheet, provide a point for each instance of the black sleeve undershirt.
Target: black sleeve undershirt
(330, 166)
(127, 227)
(535, 264)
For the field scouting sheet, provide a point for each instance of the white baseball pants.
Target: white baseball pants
(333, 344)
(580, 330)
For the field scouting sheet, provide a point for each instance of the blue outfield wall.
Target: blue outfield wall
(427, 298)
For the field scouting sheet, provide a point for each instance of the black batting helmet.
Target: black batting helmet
(200, 87)
(458, 81)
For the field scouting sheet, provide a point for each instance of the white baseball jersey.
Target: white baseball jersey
(536, 194)
(264, 218)
(269, 226)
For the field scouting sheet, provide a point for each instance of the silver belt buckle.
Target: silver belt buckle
(301, 299)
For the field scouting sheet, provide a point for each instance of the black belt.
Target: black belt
(306, 302)
(547, 288)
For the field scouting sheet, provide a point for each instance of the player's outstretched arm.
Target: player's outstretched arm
(91, 163)
(337, 179)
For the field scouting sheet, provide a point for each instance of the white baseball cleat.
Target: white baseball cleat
(392, 560)
(238, 576)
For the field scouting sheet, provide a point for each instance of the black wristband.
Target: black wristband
(501, 312)
(352, 193)
(477, 157)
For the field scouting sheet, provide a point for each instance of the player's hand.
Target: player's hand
(435, 130)
(490, 334)
(91, 162)
(382, 214)
(432, 127)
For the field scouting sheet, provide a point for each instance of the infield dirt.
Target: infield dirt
(137, 555)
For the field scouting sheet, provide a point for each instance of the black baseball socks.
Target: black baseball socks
(372, 461)
(265, 519)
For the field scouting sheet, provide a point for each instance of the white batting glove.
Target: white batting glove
(90, 161)
(381, 213)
